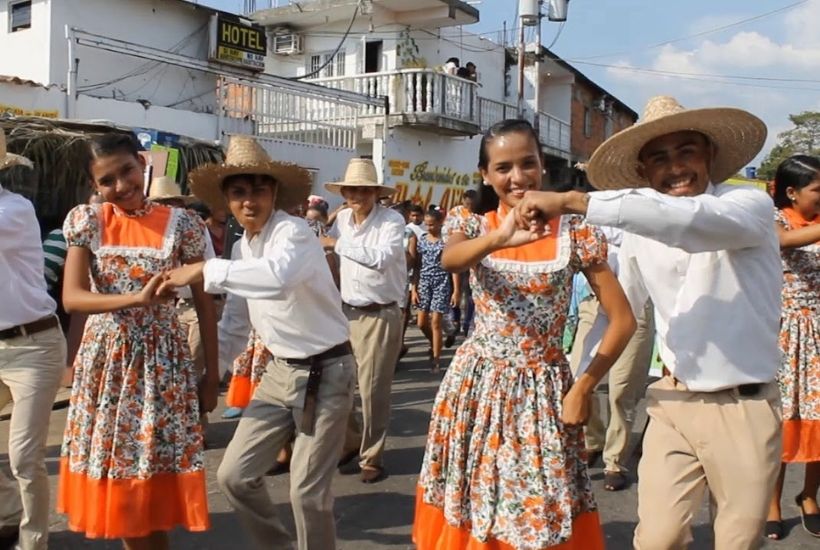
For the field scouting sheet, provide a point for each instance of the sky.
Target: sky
(762, 56)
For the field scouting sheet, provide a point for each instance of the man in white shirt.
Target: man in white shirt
(707, 255)
(32, 360)
(373, 267)
(626, 379)
(295, 308)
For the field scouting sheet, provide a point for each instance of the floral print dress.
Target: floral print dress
(799, 374)
(131, 460)
(248, 369)
(500, 470)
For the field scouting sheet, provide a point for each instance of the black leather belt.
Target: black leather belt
(746, 390)
(314, 379)
(372, 307)
(30, 328)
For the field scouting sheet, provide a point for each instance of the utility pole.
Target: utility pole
(521, 47)
(536, 119)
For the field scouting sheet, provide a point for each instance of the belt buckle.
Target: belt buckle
(748, 390)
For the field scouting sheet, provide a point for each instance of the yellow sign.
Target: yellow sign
(19, 111)
(427, 184)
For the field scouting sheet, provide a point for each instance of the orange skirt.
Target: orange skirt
(432, 532)
(801, 440)
(132, 508)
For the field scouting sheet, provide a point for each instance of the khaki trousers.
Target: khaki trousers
(722, 440)
(626, 382)
(31, 368)
(376, 339)
(269, 421)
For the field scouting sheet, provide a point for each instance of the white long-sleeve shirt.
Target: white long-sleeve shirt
(373, 265)
(23, 289)
(293, 303)
(711, 265)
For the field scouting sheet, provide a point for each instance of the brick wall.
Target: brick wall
(584, 97)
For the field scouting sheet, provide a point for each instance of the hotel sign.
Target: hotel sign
(236, 43)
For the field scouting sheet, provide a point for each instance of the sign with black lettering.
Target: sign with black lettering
(237, 43)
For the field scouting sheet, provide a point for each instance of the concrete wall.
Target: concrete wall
(162, 24)
(25, 53)
(25, 99)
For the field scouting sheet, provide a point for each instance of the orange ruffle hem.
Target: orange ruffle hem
(801, 440)
(432, 532)
(132, 508)
(240, 391)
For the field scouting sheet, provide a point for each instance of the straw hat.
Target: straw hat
(360, 173)
(165, 188)
(736, 134)
(246, 156)
(7, 160)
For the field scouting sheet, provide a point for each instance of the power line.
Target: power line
(698, 34)
(332, 56)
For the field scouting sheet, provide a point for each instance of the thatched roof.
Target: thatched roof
(60, 153)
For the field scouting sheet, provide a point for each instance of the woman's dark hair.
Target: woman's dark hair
(321, 208)
(796, 172)
(435, 213)
(487, 199)
(103, 145)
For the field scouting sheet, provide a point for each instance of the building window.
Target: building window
(608, 127)
(19, 15)
(587, 122)
(336, 67)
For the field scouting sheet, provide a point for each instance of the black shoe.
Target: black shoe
(8, 537)
(811, 522)
(372, 474)
(450, 340)
(347, 458)
(593, 457)
(774, 530)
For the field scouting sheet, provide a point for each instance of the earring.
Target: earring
(485, 182)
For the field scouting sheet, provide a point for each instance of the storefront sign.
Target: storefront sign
(19, 111)
(236, 43)
(426, 184)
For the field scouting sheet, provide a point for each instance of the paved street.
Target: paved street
(379, 516)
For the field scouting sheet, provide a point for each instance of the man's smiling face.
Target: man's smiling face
(677, 164)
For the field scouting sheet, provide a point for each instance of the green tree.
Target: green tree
(804, 139)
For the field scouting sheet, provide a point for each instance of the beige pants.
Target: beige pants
(31, 368)
(724, 440)
(273, 416)
(376, 339)
(626, 382)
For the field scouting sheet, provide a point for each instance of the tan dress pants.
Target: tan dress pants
(31, 368)
(722, 440)
(376, 339)
(626, 383)
(272, 417)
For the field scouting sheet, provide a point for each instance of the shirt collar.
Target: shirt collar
(267, 229)
(367, 220)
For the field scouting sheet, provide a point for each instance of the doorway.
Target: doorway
(373, 56)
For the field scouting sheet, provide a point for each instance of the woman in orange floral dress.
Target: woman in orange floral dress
(504, 467)
(797, 197)
(132, 465)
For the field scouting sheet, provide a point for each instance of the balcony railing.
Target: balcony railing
(424, 91)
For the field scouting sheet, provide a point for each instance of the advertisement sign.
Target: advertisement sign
(424, 183)
(19, 111)
(237, 43)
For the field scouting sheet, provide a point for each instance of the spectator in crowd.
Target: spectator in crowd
(451, 66)
(368, 239)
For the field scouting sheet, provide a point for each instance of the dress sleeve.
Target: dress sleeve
(780, 219)
(191, 236)
(470, 225)
(589, 246)
(82, 226)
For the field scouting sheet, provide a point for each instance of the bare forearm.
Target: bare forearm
(87, 302)
(461, 256)
(614, 340)
(799, 237)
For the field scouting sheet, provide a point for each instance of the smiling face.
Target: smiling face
(360, 199)
(677, 164)
(119, 178)
(806, 200)
(513, 166)
(251, 200)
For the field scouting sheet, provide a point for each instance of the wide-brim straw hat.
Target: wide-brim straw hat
(7, 160)
(165, 188)
(246, 156)
(360, 173)
(737, 136)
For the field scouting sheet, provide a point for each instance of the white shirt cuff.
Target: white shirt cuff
(215, 274)
(604, 207)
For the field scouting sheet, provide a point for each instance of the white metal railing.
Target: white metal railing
(269, 112)
(491, 111)
(413, 91)
(554, 132)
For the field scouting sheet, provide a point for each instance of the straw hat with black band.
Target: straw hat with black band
(246, 157)
(164, 188)
(737, 137)
(7, 160)
(360, 173)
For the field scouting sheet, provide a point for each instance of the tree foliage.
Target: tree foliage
(804, 139)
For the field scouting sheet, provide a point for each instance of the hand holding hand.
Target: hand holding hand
(510, 234)
(152, 293)
(540, 205)
(181, 276)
